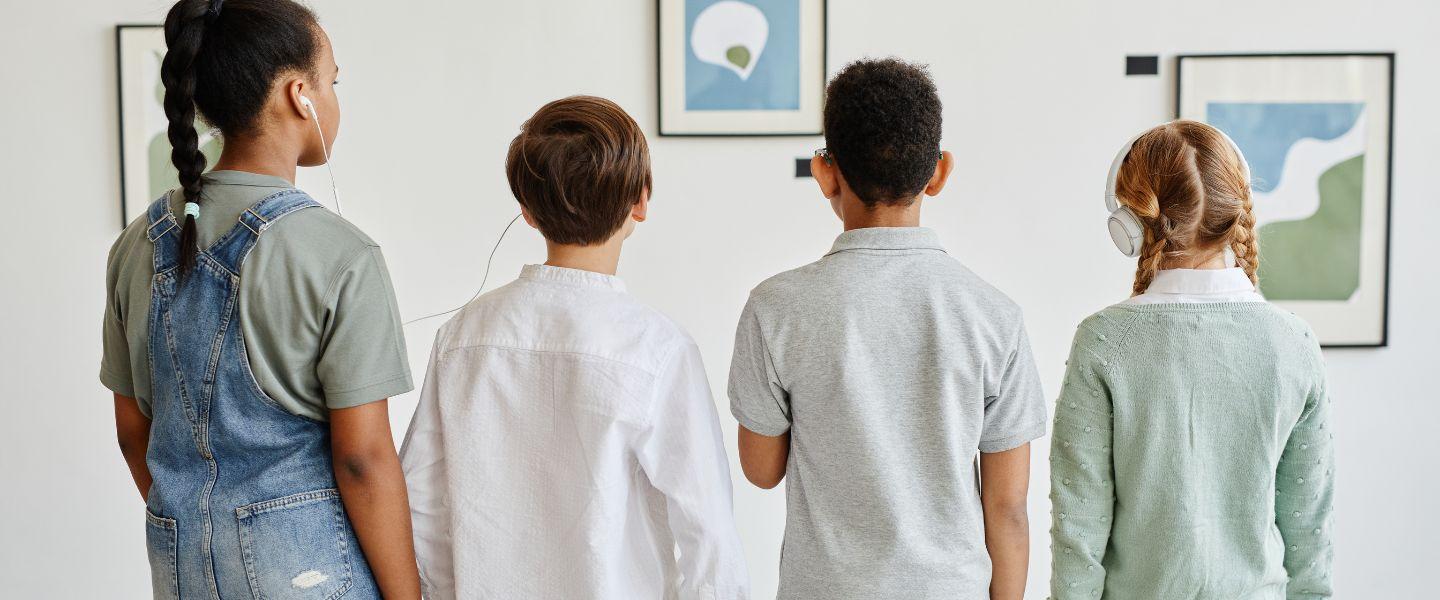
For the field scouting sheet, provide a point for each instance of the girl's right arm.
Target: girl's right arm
(1081, 477)
(372, 486)
(132, 430)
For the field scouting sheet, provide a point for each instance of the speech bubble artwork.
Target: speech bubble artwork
(730, 34)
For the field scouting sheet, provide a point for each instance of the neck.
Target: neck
(1212, 261)
(858, 216)
(599, 258)
(258, 155)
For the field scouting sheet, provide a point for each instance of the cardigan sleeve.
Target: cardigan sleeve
(1304, 488)
(1082, 488)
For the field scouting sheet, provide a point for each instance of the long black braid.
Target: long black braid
(222, 59)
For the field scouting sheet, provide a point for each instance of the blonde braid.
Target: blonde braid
(1244, 241)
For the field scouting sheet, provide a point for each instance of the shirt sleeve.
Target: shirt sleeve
(684, 457)
(1304, 490)
(1015, 415)
(422, 456)
(1082, 490)
(757, 399)
(362, 354)
(116, 364)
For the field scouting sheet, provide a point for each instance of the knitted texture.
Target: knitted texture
(1192, 457)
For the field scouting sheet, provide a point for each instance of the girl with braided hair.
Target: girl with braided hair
(1191, 455)
(251, 336)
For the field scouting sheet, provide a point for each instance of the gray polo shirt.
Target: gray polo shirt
(892, 366)
(317, 310)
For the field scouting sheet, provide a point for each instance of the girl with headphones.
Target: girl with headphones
(251, 336)
(1191, 455)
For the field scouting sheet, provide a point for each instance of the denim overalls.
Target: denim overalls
(244, 503)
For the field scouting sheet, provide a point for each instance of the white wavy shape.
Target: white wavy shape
(730, 34)
(1297, 196)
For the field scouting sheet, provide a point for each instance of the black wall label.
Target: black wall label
(802, 167)
(1142, 65)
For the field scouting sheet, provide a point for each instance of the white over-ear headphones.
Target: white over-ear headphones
(305, 101)
(1126, 230)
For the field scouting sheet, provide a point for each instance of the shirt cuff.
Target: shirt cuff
(1027, 435)
(758, 427)
(374, 392)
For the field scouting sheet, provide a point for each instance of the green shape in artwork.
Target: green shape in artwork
(738, 56)
(163, 175)
(1318, 258)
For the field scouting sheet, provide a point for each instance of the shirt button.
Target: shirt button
(1067, 481)
(1104, 519)
(1295, 514)
(1087, 429)
(1304, 446)
(1062, 515)
(1073, 405)
(1299, 480)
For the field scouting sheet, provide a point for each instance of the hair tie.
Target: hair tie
(192, 210)
(214, 11)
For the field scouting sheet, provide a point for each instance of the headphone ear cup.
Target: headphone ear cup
(1126, 231)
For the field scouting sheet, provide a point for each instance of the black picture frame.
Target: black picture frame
(120, 114)
(660, 77)
(1390, 59)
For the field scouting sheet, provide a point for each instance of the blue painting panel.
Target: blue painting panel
(1265, 131)
(731, 75)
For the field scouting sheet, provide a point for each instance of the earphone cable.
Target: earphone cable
(483, 279)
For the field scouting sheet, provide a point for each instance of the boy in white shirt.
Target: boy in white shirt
(566, 444)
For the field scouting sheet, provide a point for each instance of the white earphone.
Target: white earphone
(1126, 230)
(334, 189)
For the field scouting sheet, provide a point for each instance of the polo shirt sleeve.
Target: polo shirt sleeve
(1015, 413)
(362, 355)
(757, 399)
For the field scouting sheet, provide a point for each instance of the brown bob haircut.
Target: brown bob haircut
(578, 167)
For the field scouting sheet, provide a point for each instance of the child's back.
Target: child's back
(1194, 405)
(891, 364)
(566, 444)
(545, 394)
(876, 377)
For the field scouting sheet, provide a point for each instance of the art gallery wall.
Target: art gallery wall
(432, 91)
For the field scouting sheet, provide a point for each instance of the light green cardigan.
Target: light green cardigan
(1191, 457)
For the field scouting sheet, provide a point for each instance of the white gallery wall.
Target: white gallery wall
(1036, 103)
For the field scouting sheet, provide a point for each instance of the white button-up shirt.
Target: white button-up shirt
(1198, 285)
(566, 446)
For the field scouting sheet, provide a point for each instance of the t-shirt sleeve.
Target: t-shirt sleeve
(757, 399)
(362, 354)
(1015, 414)
(115, 363)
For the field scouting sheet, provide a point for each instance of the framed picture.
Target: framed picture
(145, 168)
(733, 67)
(1316, 130)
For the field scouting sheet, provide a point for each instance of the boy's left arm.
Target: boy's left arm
(1014, 415)
(684, 457)
(1004, 486)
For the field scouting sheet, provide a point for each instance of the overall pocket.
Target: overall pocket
(297, 547)
(161, 538)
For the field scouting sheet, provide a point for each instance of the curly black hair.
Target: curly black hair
(882, 127)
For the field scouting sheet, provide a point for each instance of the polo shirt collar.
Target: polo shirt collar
(888, 238)
(1200, 281)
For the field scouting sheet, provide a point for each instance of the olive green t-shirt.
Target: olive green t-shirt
(317, 309)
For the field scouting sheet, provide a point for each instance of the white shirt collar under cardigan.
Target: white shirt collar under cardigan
(1199, 285)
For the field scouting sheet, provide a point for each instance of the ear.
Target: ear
(827, 176)
(942, 174)
(294, 89)
(529, 220)
(641, 207)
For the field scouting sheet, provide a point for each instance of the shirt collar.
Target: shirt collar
(572, 276)
(246, 178)
(1200, 281)
(887, 238)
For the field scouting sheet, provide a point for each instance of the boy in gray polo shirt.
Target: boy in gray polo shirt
(874, 376)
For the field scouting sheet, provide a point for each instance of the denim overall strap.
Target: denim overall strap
(164, 232)
(231, 250)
